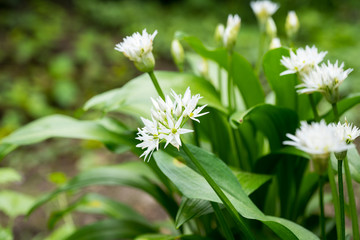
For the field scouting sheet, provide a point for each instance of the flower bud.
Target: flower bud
(292, 24)
(231, 31)
(177, 52)
(146, 64)
(271, 28)
(275, 43)
(219, 33)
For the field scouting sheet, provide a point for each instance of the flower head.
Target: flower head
(231, 31)
(264, 9)
(303, 61)
(138, 48)
(219, 33)
(168, 118)
(325, 79)
(317, 139)
(347, 132)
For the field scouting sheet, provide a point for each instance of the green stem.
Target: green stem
(230, 83)
(336, 113)
(229, 206)
(156, 84)
(222, 222)
(341, 199)
(261, 51)
(353, 210)
(313, 107)
(220, 80)
(322, 211)
(335, 199)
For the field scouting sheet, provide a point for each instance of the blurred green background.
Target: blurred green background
(55, 55)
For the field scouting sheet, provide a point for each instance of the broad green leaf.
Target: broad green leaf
(192, 208)
(246, 80)
(61, 233)
(5, 234)
(9, 175)
(111, 229)
(343, 105)
(135, 100)
(273, 121)
(354, 163)
(250, 181)
(97, 204)
(284, 86)
(65, 127)
(14, 204)
(133, 174)
(181, 171)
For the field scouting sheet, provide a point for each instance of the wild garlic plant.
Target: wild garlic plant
(245, 166)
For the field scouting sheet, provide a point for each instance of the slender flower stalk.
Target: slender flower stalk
(322, 209)
(335, 200)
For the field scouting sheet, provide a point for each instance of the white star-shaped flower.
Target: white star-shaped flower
(303, 61)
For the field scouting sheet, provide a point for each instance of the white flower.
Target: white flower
(325, 79)
(317, 139)
(231, 31)
(347, 132)
(275, 43)
(291, 24)
(264, 9)
(168, 118)
(149, 135)
(138, 48)
(219, 33)
(303, 61)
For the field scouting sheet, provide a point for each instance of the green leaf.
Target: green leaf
(97, 204)
(167, 237)
(5, 234)
(246, 80)
(66, 127)
(192, 208)
(9, 175)
(343, 105)
(61, 233)
(135, 100)
(354, 163)
(250, 181)
(284, 86)
(15, 204)
(181, 171)
(132, 174)
(111, 229)
(273, 121)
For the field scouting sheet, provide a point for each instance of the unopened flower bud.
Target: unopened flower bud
(231, 31)
(292, 24)
(263, 10)
(275, 43)
(177, 52)
(271, 28)
(219, 33)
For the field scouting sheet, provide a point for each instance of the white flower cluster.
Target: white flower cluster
(264, 9)
(167, 119)
(303, 61)
(325, 79)
(138, 48)
(319, 139)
